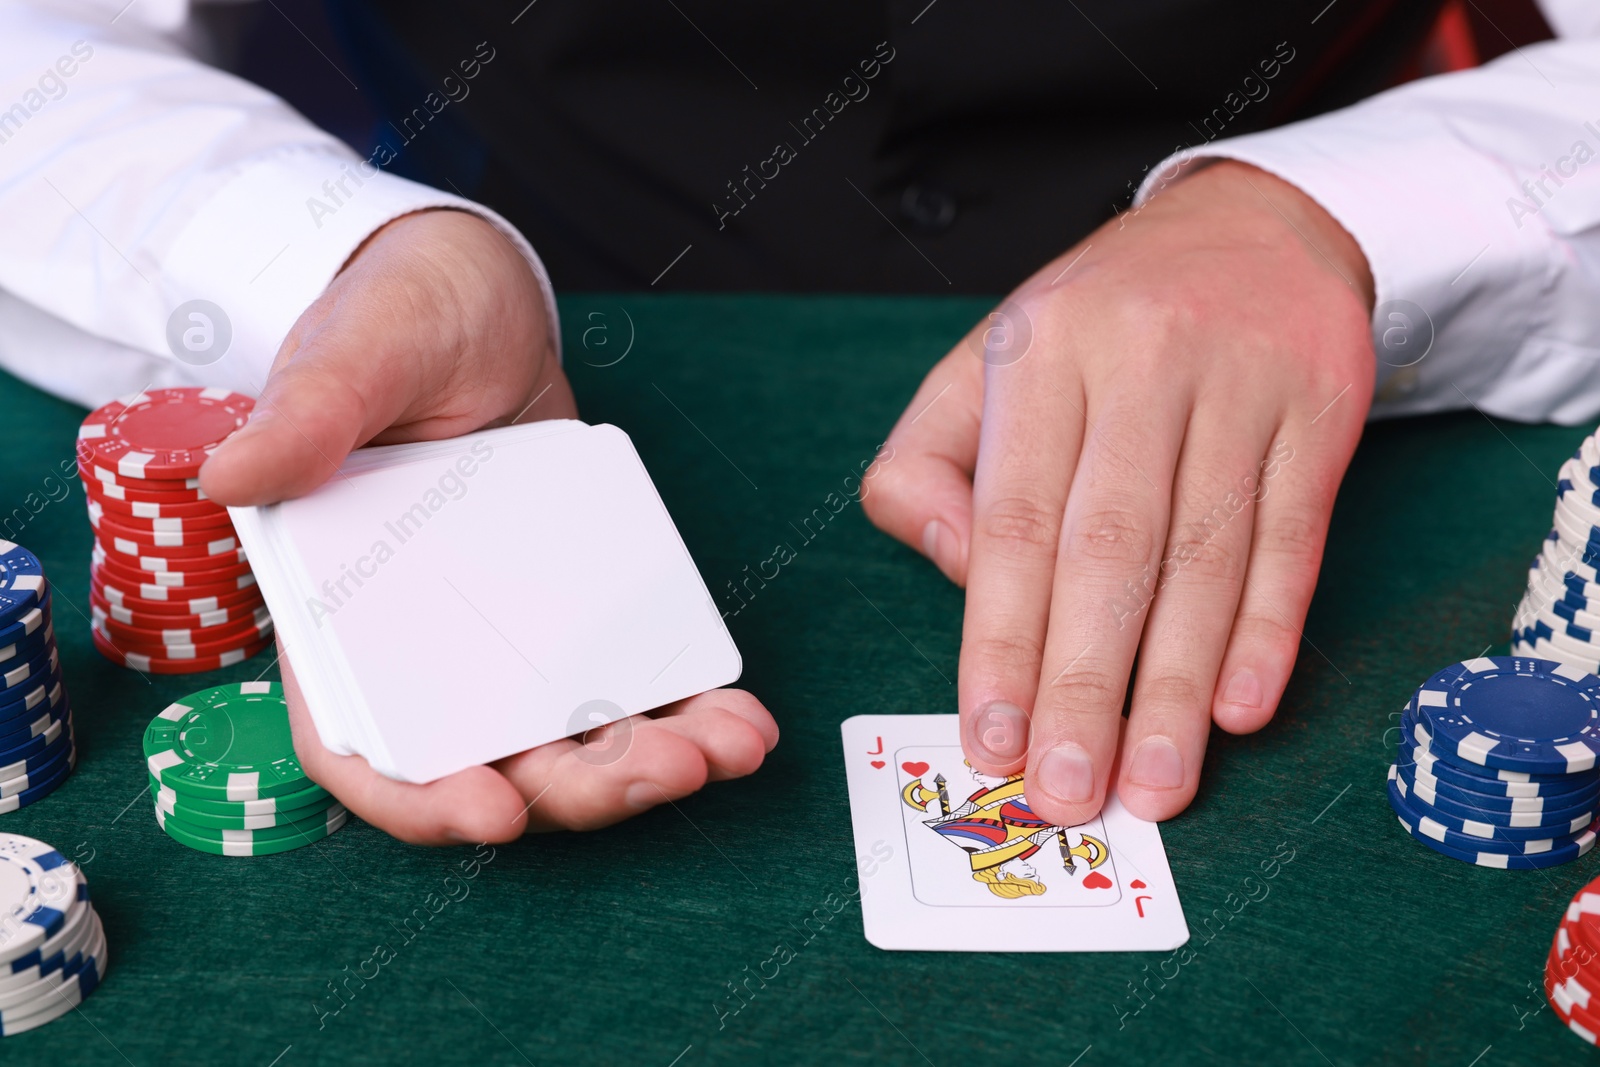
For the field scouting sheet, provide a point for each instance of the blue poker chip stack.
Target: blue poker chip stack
(1497, 762)
(1559, 615)
(37, 747)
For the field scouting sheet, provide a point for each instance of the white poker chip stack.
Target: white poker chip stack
(1559, 616)
(52, 945)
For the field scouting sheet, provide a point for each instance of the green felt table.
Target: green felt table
(618, 947)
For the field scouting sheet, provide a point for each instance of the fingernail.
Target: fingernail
(1244, 689)
(1067, 773)
(641, 795)
(939, 545)
(1001, 730)
(1156, 764)
(457, 836)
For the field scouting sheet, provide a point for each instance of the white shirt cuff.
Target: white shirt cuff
(269, 241)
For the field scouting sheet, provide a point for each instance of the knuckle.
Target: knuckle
(1088, 689)
(1294, 531)
(1022, 525)
(1009, 652)
(1199, 550)
(1265, 630)
(1109, 535)
(1171, 689)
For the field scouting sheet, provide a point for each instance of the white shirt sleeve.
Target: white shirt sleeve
(1475, 197)
(134, 179)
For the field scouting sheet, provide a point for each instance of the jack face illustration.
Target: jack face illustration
(999, 832)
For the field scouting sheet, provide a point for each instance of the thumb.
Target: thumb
(922, 494)
(332, 395)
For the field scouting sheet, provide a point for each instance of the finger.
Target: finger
(619, 771)
(919, 489)
(732, 730)
(474, 805)
(1029, 445)
(333, 395)
(1115, 524)
(1197, 588)
(1291, 529)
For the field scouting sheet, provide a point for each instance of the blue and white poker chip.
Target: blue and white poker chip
(28, 701)
(37, 887)
(22, 583)
(1484, 832)
(1474, 851)
(29, 622)
(1513, 712)
(1458, 798)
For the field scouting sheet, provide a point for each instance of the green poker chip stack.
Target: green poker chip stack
(225, 778)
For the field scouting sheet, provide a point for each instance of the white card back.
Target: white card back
(450, 603)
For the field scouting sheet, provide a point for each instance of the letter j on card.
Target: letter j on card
(975, 870)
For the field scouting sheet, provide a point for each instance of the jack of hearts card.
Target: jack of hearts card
(954, 860)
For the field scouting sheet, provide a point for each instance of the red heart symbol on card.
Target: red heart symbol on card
(1096, 880)
(1136, 883)
(916, 770)
(878, 763)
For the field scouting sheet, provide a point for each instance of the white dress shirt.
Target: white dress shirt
(134, 178)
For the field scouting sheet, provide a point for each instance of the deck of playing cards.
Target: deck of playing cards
(447, 603)
(954, 860)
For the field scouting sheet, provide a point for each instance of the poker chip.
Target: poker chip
(1513, 712)
(231, 742)
(158, 650)
(26, 698)
(29, 646)
(1496, 764)
(244, 842)
(22, 583)
(128, 569)
(1491, 822)
(178, 601)
(166, 557)
(1459, 794)
(286, 805)
(173, 807)
(164, 618)
(224, 777)
(1426, 822)
(1572, 966)
(37, 888)
(54, 950)
(146, 503)
(175, 488)
(145, 558)
(161, 433)
(256, 624)
(130, 520)
(28, 623)
(152, 664)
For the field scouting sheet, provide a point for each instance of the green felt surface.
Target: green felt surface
(616, 947)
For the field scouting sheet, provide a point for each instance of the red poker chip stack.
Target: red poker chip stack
(1572, 970)
(170, 588)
